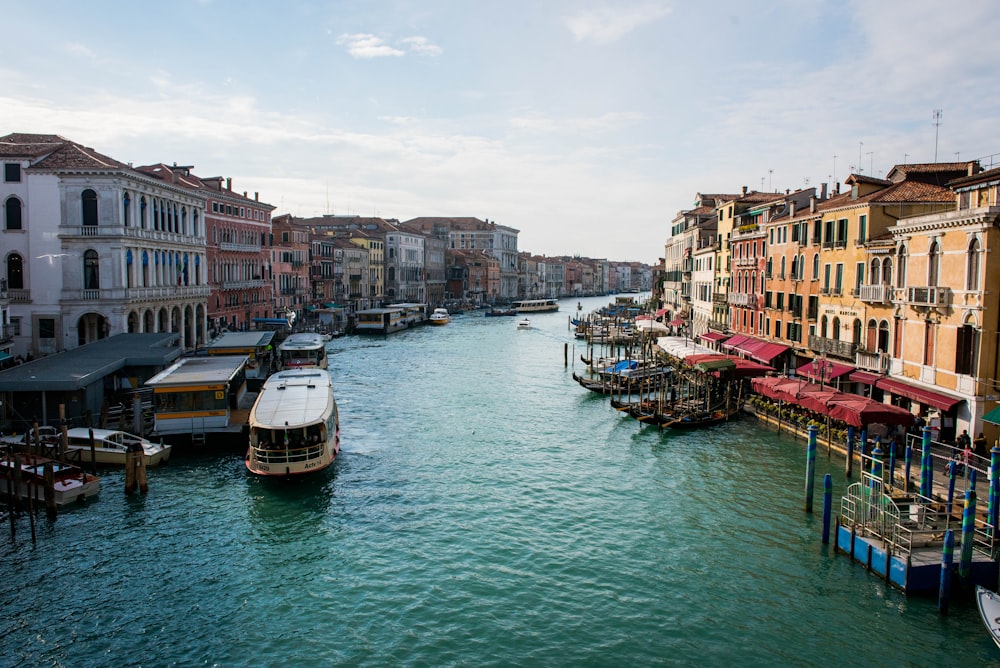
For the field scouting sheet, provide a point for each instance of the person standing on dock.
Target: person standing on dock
(979, 446)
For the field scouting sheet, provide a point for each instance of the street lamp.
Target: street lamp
(822, 367)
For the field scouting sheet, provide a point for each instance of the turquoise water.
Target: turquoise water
(485, 510)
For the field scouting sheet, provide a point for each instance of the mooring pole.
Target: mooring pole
(849, 463)
(827, 506)
(810, 467)
(947, 552)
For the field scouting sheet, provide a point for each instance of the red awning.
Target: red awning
(766, 351)
(661, 312)
(851, 408)
(676, 322)
(917, 393)
(833, 370)
(861, 411)
(714, 336)
(866, 377)
(735, 341)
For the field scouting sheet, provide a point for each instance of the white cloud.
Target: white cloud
(76, 49)
(365, 45)
(421, 46)
(608, 24)
(606, 122)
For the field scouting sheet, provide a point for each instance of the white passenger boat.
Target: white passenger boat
(536, 305)
(440, 316)
(294, 425)
(524, 323)
(303, 350)
(111, 445)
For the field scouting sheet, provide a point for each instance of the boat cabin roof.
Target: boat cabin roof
(293, 398)
(186, 371)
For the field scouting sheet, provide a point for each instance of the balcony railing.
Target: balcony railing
(928, 296)
(739, 299)
(872, 361)
(243, 285)
(876, 294)
(836, 347)
(19, 295)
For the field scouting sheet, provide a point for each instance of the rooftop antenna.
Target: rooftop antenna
(770, 173)
(861, 169)
(871, 162)
(937, 125)
(905, 156)
(833, 177)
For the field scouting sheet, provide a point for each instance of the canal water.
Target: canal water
(485, 510)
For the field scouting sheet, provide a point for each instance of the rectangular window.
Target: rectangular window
(859, 277)
(828, 232)
(46, 328)
(777, 329)
(842, 232)
(928, 344)
(826, 277)
(15, 327)
(839, 285)
(781, 301)
(12, 172)
(862, 228)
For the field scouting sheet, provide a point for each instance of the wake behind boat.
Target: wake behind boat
(294, 425)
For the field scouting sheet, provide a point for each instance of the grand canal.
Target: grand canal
(485, 510)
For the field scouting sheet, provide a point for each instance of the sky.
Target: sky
(586, 125)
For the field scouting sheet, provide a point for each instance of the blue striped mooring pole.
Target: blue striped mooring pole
(951, 486)
(827, 506)
(968, 533)
(947, 552)
(849, 464)
(994, 499)
(909, 465)
(810, 467)
(926, 472)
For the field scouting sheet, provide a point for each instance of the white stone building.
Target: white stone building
(92, 248)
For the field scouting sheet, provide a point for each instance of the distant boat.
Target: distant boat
(524, 323)
(440, 316)
(536, 305)
(497, 312)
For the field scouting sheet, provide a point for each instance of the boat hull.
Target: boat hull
(290, 463)
(989, 610)
(71, 484)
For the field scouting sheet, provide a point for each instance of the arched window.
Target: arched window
(972, 266)
(875, 271)
(126, 201)
(12, 213)
(871, 336)
(91, 270)
(836, 329)
(933, 264)
(901, 267)
(142, 212)
(967, 348)
(816, 267)
(15, 272)
(802, 267)
(887, 271)
(795, 267)
(770, 267)
(883, 336)
(856, 332)
(89, 200)
(782, 274)
(822, 327)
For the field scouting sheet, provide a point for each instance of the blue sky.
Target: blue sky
(585, 125)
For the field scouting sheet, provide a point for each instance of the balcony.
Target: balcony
(243, 285)
(19, 295)
(812, 313)
(928, 296)
(716, 299)
(835, 347)
(875, 294)
(740, 299)
(242, 248)
(877, 362)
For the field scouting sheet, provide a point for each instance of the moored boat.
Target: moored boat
(70, 483)
(989, 610)
(294, 425)
(112, 445)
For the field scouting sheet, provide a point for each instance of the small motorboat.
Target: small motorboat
(440, 316)
(524, 323)
(989, 610)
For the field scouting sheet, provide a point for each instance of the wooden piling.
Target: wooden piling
(130, 482)
(810, 467)
(141, 472)
(50, 491)
(565, 355)
(63, 435)
(93, 452)
(827, 506)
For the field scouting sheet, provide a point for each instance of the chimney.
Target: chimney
(229, 184)
(812, 204)
(836, 188)
(744, 190)
(822, 191)
(256, 196)
(791, 209)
